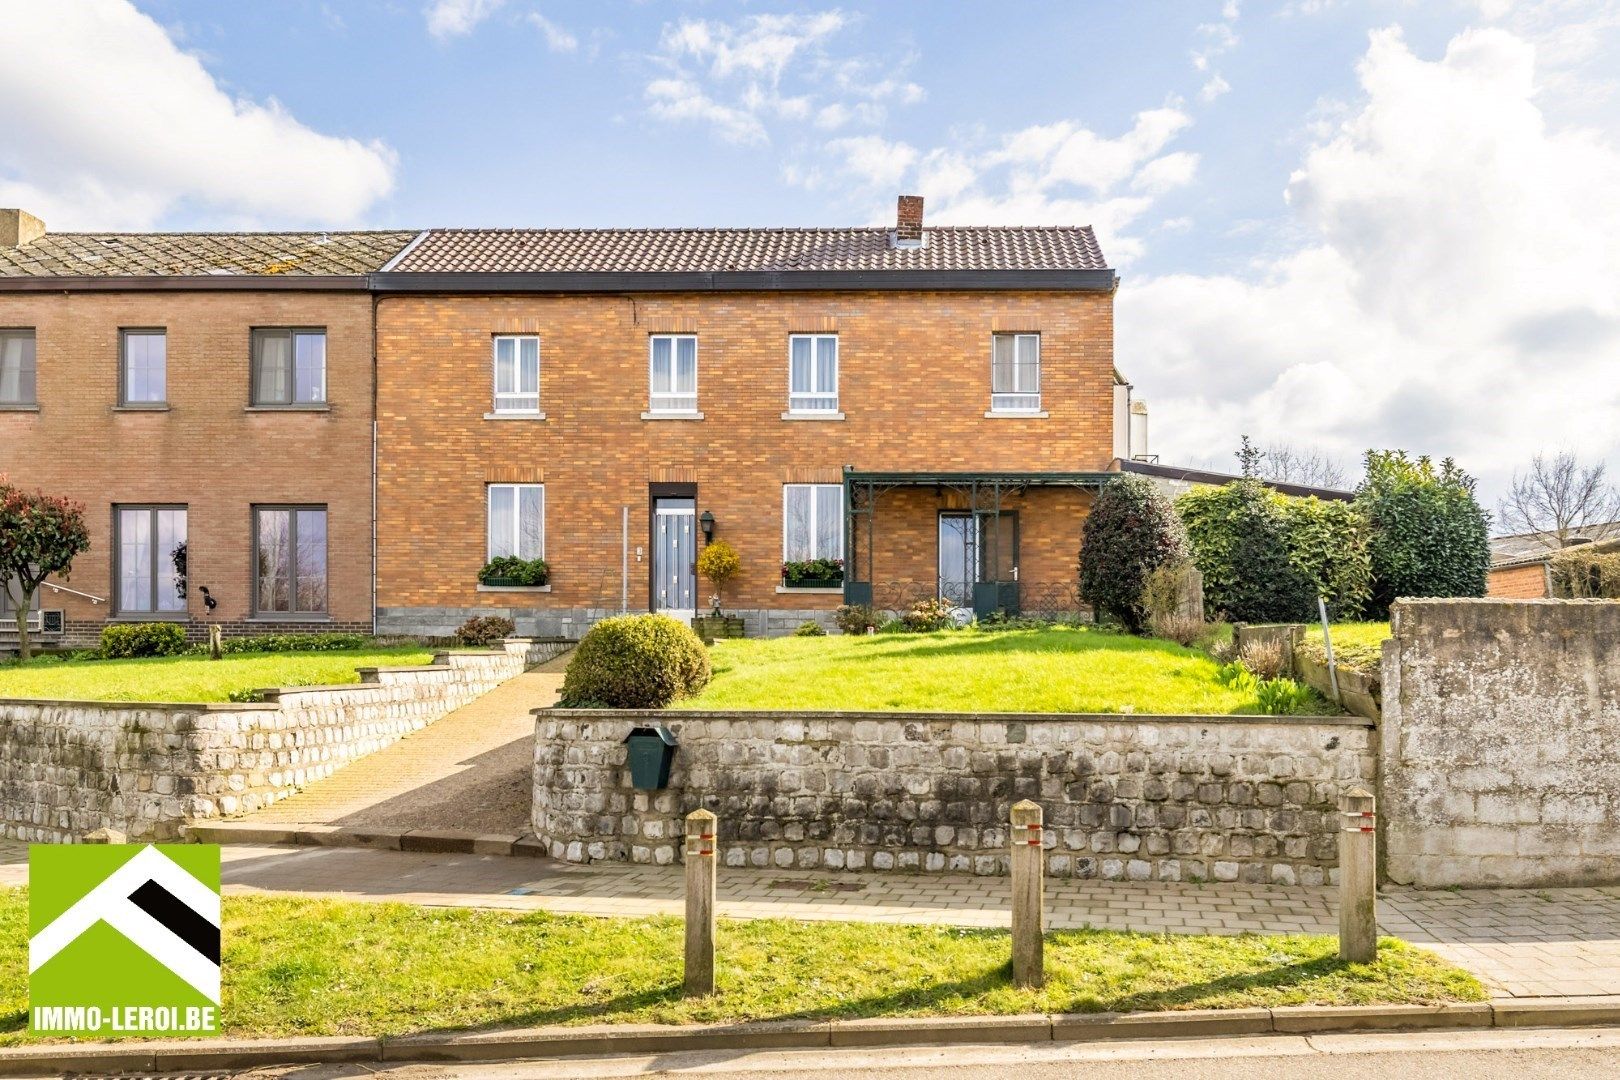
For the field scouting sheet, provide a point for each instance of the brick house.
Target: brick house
(932, 406)
(208, 397)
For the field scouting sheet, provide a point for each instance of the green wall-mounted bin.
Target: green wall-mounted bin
(652, 749)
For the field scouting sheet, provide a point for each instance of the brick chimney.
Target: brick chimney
(908, 219)
(18, 228)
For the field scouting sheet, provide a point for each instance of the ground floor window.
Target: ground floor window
(517, 521)
(150, 542)
(812, 521)
(290, 556)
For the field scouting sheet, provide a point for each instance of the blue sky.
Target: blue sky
(1340, 223)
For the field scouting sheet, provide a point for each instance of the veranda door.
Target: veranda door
(978, 561)
(674, 547)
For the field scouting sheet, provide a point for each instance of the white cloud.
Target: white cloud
(86, 152)
(742, 77)
(1213, 88)
(683, 100)
(557, 38)
(1455, 293)
(1061, 172)
(457, 18)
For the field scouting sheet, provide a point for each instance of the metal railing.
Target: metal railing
(1047, 601)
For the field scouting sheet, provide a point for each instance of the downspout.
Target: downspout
(376, 303)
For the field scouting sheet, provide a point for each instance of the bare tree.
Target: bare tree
(1559, 498)
(1285, 463)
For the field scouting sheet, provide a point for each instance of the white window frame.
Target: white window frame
(669, 401)
(515, 401)
(1019, 400)
(818, 400)
(814, 523)
(517, 518)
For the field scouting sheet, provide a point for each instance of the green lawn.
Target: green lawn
(322, 967)
(1058, 669)
(1355, 645)
(192, 678)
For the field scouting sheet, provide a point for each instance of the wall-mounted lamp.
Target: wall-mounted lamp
(706, 523)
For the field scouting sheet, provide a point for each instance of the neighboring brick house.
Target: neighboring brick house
(208, 397)
(604, 397)
(1521, 564)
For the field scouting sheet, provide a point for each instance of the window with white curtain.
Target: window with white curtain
(145, 364)
(517, 521)
(672, 373)
(813, 373)
(289, 367)
(1015, 373)
(17, 368)
(517, 373)
(812, 521)
(151, 557)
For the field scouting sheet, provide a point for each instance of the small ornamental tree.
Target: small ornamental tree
(1131, 531)
(1429, 535)
(40, 535)
(719, 564)
(1240, 542)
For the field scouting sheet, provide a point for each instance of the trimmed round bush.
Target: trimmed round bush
(635, 662)
(810, 628)
(130, 640)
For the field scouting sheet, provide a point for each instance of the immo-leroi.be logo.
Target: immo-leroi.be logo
(123, 939)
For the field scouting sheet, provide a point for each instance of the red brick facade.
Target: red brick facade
(1518, 582)
(914, 387)
(207, 451)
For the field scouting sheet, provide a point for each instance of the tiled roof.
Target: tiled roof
(299, 254)
(471, 251)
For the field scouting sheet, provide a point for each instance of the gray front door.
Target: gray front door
(674, 545)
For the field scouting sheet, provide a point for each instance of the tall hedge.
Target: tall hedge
(1327, 543)
(1131, 531)
(1240, 542)
(1429, 535)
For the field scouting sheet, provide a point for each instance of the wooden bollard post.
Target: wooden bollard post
(1358, 880)
(1028, 872)
(700, 859)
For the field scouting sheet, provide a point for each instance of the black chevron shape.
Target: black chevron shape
(180, 920)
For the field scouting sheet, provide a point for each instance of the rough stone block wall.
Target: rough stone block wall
(1218, 798)
(69, 768)
(1501, 743)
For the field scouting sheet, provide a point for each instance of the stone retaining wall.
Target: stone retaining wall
(1174, 798)
(1501, 743)
(68, 768)
(572, 622)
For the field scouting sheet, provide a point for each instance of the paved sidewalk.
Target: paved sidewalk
(472, 770)
(1521, 943)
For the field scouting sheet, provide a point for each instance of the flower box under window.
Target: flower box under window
(813, 573)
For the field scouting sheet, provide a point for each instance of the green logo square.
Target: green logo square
(123, 939)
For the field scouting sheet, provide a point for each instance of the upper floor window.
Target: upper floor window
(813, 373)
(517, 521)
(150, 543)
(672, 373)
(812, 521)
(290, 560)
(517, 373)
(1015, 373)
(144, 362)
(17, 368)
(289, 367)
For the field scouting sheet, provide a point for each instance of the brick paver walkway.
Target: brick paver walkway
(471, 770)
(1521, 943)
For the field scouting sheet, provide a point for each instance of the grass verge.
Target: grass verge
(1058, 669)
(1355, 645)
(193, 678)
(296, 966)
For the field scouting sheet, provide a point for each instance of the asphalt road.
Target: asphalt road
(1575, 1054)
